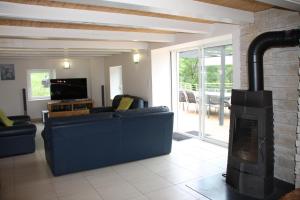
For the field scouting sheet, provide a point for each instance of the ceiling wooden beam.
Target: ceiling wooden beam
(40, 24)
(55, 33)
(89, 53)
(71, 44)
(247, 5)
(186, 8)
(109, 51)
(22, 55)
(108, 9)
(66, 15)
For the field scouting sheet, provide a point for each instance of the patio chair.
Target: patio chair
(191, 99)
(214, 102)
(227, 102)
(182, 98)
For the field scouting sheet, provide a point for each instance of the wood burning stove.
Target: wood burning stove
(250, 166)
(250, 159)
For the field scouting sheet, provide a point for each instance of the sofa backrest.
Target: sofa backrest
(137, 101)
(141, 111)
(78, 119)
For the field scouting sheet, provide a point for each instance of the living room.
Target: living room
(145, 40)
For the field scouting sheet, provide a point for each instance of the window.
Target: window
(38, 84)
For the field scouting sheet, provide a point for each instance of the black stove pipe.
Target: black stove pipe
(257, 49)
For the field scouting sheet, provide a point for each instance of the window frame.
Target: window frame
(29, 88)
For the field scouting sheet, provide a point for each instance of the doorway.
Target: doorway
(188, 92)
(203, 91)
(217, 82)
(115, 81)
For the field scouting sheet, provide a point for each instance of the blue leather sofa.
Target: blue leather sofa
(86, 142)
(137, 103)
(19, 138)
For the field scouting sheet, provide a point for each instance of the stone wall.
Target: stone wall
(297, 167)
(281, 76)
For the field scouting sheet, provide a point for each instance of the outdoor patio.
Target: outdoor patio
(189, 120)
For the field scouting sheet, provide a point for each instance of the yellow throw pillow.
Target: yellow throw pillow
(125, 103)
(5, 120)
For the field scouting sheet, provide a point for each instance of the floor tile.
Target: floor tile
(171, 193)
(89, 195)
(67, 188)
(120, 191)
(195, 194)
(149, 184)
(29, 177)
(177, 175)
(67, 178)
(133, 171)
(157, 164)
(100, 171)
(42, 191)
(102, 180)
(139, 197)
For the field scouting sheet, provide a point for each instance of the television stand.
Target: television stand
(69, 108)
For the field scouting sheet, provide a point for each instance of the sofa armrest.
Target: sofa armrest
(101, 109)
(20, 118)
(18, 130)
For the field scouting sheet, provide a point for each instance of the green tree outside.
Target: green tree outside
(189, 73)
(37, 89)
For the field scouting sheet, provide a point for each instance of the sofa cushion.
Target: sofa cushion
(137, 101)
(125, 103)
(141, 111)
(5, 120)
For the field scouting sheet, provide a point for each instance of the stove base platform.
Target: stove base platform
(216, 188)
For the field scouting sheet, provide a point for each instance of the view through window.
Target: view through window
(205, 77)
(39, 84)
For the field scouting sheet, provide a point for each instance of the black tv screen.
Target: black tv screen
(67, 89)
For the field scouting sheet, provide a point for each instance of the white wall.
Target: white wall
(161, 78)
(136, 77)
(11, 94)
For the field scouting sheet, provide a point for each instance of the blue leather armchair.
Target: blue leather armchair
(19, 138)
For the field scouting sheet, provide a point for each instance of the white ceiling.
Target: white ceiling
(37, 41)
(188, 8)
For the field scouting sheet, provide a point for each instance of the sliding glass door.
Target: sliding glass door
(204, 83)
(217, 84)
(188, 92)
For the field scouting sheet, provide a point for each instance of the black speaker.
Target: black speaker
(24, 101)
(102, 95)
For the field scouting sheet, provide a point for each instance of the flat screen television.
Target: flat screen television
(68, 89)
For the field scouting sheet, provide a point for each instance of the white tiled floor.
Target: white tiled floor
(27, 177)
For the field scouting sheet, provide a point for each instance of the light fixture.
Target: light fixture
(67, 65)
(136, 58)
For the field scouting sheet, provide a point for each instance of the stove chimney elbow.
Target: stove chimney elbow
(257, 49)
